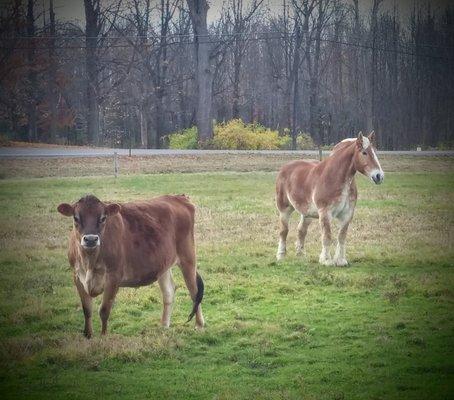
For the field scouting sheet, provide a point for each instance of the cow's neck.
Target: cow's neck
(90, 258)
(341, 166)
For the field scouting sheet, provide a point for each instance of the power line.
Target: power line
(180, 35)
(261, 36)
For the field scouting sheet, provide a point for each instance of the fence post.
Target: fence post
(115, 164)
(320, 153)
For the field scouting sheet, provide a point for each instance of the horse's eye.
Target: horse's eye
(365, 153)
(102, 219)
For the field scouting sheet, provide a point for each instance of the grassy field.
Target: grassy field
(382, 328)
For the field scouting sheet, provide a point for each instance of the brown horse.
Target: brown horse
(325, 190)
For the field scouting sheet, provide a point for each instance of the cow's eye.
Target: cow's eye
(365, 153)
(102, 219)
(76, 219)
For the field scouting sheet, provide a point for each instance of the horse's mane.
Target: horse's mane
(342, 145)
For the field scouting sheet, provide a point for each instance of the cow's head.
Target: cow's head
(90, 215)
(366, 161)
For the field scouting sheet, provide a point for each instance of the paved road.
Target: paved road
(62, 152)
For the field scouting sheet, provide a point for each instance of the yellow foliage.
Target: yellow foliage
(236, 135)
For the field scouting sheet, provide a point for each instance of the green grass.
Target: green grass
(381, 328)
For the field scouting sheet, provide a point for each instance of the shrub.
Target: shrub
(185, 139)
(446, 145)
(236, 135)
(4, 141)
(303, 142)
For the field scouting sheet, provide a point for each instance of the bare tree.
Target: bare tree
(198, 10)
(32, 76)
(93, 26)
(52, 85)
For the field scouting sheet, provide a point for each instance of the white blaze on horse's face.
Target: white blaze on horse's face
(368, 163)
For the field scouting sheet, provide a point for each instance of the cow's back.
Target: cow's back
(150, 235)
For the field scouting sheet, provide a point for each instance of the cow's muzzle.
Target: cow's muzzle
(90, 241)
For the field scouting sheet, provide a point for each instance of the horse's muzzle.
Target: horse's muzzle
(378, 177)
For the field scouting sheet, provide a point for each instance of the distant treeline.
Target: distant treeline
(141, 69)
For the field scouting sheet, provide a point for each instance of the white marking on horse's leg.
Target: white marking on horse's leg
(302, 232)
(167, 287)
(339, 257)
(283, 218)
(325, 225)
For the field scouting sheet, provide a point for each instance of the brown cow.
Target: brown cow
(130, 245)
(325, 190)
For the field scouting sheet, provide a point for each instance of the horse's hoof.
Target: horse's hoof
(280, 256)
(300, 251)
(341, 262)
(325, 261)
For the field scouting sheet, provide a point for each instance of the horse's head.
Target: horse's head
(365, 158)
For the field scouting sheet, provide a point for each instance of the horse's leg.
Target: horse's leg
(284, 217)
(325, 225)
(339, 257)
(302, 232)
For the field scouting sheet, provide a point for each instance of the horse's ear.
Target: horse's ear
(371, 137)
(359, 140)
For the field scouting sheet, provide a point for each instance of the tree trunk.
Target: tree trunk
(236, 79)
(91, 64)
(32, 130)
(372, 95)
(143, 127)
(204, 76)
(52, 77)
(314, 71)
(295, 73)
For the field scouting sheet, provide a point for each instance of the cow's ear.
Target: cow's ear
(112, 209)
(371, 137)
(66, 209)
(359, 140)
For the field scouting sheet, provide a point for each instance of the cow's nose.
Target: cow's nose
(90, 240)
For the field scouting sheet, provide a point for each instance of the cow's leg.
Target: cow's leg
(302, 232)
(110, 291)
(284, 217)
(168, 293)
(86, 301)
(325, 225)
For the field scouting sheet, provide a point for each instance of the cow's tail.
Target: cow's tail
(198, 297)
